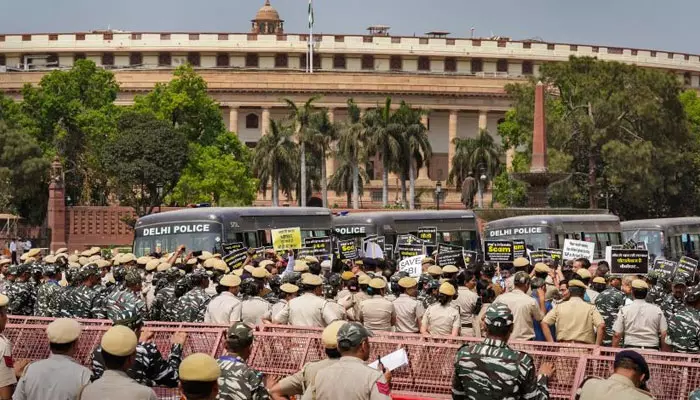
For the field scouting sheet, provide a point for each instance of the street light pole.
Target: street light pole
(438, 191)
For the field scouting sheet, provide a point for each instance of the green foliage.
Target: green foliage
(415, 144)
(145, 160)
(352, 151)
(508, 191)
(275, 159)
(383, 132)
(476, 155)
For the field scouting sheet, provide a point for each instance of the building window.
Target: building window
(281, 60)
(107, 36)
(368, 62)
(670, 56)
(194, 36)
(550, 46)
(477, 65)
(135, 36)
(52, 59)
(135, 59)
(339, 61)
(423, 63)
(686, 57)
(395, 63)
(687, 80)
(501, 43)
(281, 38)
(53, 37)
(108, 59)
(450, 64)
(450, 42)
(502, 65)
(339, 39)
(476, 42)
(595, 49)
(423, 40)
(395, 40)
(164, 60)
(652, 53)
(367, 39)
(78, 56)
(2, 38)
(78, 36)
(3, 60)
(376, 196)
(193, 59)
(614, 50)
(252, 60)
(573, 47)
(164, 36)
(303, 38)
(527, 45)
(317, 62)
(26, 38)
(252, 37)
(634, 52)
(222, 60)
(223, 36)
(252, 121)
(527, 67)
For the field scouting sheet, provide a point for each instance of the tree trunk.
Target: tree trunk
(275, 193)
(324, 183)
(593, 193)
(355, 186)
(412, 186)
(404, 193)
(302, 195)
(348, 195)
(385, 183)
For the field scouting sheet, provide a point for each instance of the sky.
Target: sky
(662, 25)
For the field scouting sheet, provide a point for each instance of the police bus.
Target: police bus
(456, 227)
(208, 227)
(549, 231)
(667, 237)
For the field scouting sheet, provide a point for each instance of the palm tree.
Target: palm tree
(301, 117)
(384, 136)
(322, 133)
(348, 178)
(473, 155)
(275, 158)
(351, 148)
(415, 145)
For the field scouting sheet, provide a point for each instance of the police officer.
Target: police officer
(377, 313)
(46, 292)
(642, 324)
(7, 373)
(674, 301)
(493, 370)
(238, 380)
(84, 301)
(225, 308)
(683, 327)
(193, 304)
(409, 311)
(525, 309)
(519, 264)
(608, 303)
(628, 381)
(442, 318)
(199, 374)
(350, 378)
(467, 302)
(131, 297)
(361, 295)
(22, 295)
(309, 309)
(330, 291)
(298, 383)
(288, 292)
(576, 321)
(161, 308)
(254, 308)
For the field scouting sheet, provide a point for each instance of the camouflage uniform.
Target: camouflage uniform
(427, 298)
(85, 302)
(671, 305)
(22, 298)
(44, 299)
(238, 381)
(191, 306)
(695, 395)
(493, 370)
(123, 299)
(159, 308)
(656, 295)
(684, 326)
(608, 303)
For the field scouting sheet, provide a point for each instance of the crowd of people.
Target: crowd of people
(571, 303)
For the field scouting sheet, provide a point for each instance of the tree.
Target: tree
(476, 155)
(145, 160)
(353, 152)
(415, 144)
(383, 134)
(275, 159)
(186, 105)
(301, 116)
(349, 178)
(23, 175)
(215, 175)
(322, 133)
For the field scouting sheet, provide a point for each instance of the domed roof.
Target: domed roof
(267, 13)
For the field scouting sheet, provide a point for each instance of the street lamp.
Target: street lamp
(159, 193)
(482, 182)
(438, 192)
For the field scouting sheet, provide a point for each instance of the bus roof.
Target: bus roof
(551, 219)
(204, 213)
(390, 216)
(659, 223)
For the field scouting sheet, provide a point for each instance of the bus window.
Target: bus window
(251, 239)
(690, 244)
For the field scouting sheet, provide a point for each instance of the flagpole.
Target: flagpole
(311, 36)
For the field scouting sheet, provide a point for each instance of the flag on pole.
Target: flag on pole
(311, 14)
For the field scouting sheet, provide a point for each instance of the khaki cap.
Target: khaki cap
(427, 260)
(541, 267)
(94, 250)
(576, 283)
(289, 288)
(143, 260)
(63, 330)
(86, 253)
(300, 266)
(407, 282)
(48, 259)
(73, 258)
(260, 272)
(205, 255)
(152, 264)
(377, 283)
(127, 258)
(209, 262)
(220, 265)
(347, 275)
(329, 337)
(639, 284)
(583, 273)
(4, 300)
(521, 262)
(119, 341)
(265, 263)
(599, 279)
(230, 281)
(199, 367)
(447, 289)
(312, 259)
(73, 265)
(191, 261)
(62, 250)
(249, 268)
(238, 272)
(33, 252)
(5, 261)
(434, 270)
(102, 263)
(83, 260)
(311, 280)
(449, 269)
(364, 280)
(163, 266)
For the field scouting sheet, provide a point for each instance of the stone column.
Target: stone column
(56, 215)
(452, 134)
(233, 119)
(330, 160)
(265, 123)
(423, 172)
(483, 120)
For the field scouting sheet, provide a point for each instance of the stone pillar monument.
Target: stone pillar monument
(57, 207)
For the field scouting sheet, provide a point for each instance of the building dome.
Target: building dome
(267, 13)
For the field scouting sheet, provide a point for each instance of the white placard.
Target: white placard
(412, 265)
(374, 251)
(574, 249)
(391, 361)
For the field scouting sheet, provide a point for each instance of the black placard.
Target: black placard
(388, 250)
(665, 267)
(687, 267)
(231, 247)
(553, 254)
(539, 257)
(259, 251)
(409, 250)
(449, 255)
(629, 261)
(629, 244)
(305, 251)
(689, 262)
(519, 248)
(498, 251)
(428, 234)
(321, 246)
(469, 257)
(236, 258)
(407, 239)
(347, 249)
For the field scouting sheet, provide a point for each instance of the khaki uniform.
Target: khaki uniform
(357, 299)
(305, 310)
(641, 323)
(377, 313)
(224, 309)
(7, 373)
(254, 310)
(575, 320)
(337, 310)
(277, 307)
(116, 385)
(525, 309)
(441, 320)
(302, 380)
(408, 312)
(349, 379)
(616, 387)
(465, 303)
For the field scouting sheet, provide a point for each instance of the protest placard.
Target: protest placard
(321, 245)
(236, 258)
(629, 261)
(347, 249)
(286, 238)
(519, 248)
(428, 234)
(666, 267)
(412, 265)
(498, 251)
(409, 250)
(449, 255)
(574, 249)
(227, 248)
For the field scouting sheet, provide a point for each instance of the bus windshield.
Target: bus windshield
(169, 243)
(653, 239)
(533, 241)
